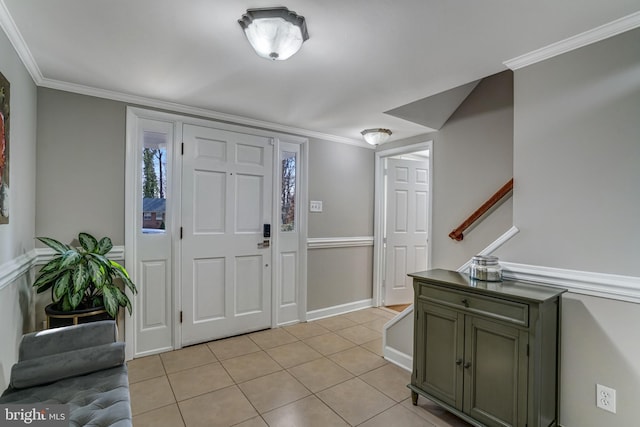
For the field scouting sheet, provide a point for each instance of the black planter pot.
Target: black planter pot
(57, 318)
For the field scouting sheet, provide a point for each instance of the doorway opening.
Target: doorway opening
(402, 222)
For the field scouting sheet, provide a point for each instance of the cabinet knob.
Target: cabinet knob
(467, 365)
(465, 302)
(459, 362)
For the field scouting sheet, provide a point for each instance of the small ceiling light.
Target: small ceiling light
(376, 136)
(274, 33)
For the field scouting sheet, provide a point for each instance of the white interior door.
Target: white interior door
(226, 200)
(406, 227)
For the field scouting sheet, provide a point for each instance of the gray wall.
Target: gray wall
(81, 144)
(342, 177)
(80, 161)
(472, 159)
(577, 160)
(577, 205)
(16, 238)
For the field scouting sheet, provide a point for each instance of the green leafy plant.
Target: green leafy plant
(81, 278)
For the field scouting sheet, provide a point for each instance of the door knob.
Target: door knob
(465, 302)
(459, 362)
(467, 365)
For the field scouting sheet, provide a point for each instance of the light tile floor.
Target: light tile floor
(325, 373)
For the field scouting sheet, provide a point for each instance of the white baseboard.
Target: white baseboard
(398, 358)
(339, 309)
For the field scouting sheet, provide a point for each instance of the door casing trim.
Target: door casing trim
(131, 144)
(378, 216)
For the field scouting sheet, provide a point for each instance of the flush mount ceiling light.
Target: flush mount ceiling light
(376, 136)
(274, 33)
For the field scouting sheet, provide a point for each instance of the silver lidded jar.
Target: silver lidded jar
(485, 268)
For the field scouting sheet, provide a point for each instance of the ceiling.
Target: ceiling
(363, 57)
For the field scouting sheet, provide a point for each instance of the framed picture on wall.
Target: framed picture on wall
(4, 149)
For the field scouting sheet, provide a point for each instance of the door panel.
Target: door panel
(153, 306)
(227, 192)
(406, 227)
(440, 346)
(493, 381)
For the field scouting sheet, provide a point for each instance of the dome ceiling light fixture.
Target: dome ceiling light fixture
(274, 33)
(376, 136)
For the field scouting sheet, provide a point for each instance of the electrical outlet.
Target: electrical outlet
(606, 398)
(315, 206)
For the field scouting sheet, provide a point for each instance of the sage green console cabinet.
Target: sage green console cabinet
(486, 351)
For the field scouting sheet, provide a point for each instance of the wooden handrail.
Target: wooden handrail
(457, 234)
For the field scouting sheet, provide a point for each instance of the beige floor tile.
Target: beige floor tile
(272, 338)
(150, 394)
(320, 374)
(273, 390)
(328, 343)
(357, 360)
(187, 357)
(335, 323)
(374, 346)
(359, 334)
(293, 354)
(307, 412)
(306, 330)
(376, 324)
(434, 414)
(167, 416)
(233, 347)
(199, 380)
(362, 316)
(397, 416)
(386, 312)
(224, 407)
(355, 401)
(391, 380)
(250, 366)
(145, 368)
(253, 422)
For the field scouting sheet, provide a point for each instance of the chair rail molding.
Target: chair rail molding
(603, 285)
(13, 269)
(338, 242)
(44, 255)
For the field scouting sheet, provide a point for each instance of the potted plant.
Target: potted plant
(83, 279)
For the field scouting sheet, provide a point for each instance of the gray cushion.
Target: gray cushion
(68, 338)
(54, 367)
(97, 399)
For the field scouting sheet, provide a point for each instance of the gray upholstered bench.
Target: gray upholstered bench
(82, 366)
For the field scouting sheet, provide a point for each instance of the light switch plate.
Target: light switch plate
(315, 206)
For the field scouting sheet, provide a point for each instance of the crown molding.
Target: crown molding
(195, 111)
(594, 35)
(11, 30)
(13, 34)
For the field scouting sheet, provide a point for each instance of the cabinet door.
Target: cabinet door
(495, 372)
(439, 351)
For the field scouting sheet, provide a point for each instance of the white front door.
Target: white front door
(226, 201)
(406, 227)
